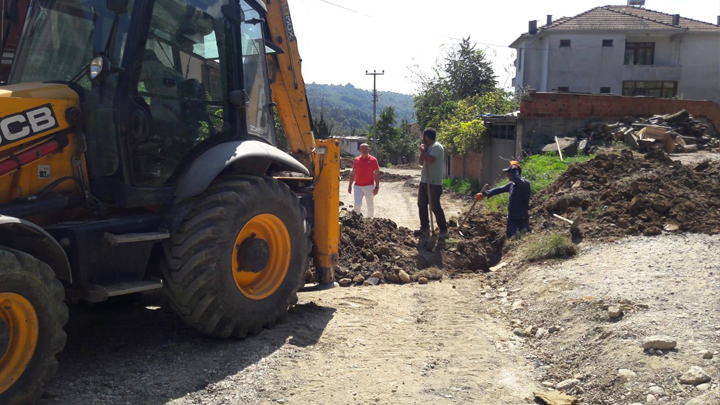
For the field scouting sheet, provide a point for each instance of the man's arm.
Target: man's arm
(351, 181)
(498, 190)
(376, 175)
(426, 157)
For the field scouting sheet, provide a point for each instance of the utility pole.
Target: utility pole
(374, 74)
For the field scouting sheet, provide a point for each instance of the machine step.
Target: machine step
(129, 288)
(136, 237)
(99, 293)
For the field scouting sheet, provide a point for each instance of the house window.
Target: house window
(563, 89)
(640, 53)
(607, 42)
(604, 90)
(651, 89)
(520, 56)
(564, 43)
(502, 131)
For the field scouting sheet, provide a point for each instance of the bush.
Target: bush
(463, 186)
(554, 245)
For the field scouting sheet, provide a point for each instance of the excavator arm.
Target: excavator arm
(321, 157)
(287, 85)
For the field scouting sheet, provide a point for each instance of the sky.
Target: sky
(340, 39)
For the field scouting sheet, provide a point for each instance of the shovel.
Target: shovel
(485, 187)
(432, 239)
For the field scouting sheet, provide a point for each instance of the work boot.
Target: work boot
(444, 234)
(421, 232)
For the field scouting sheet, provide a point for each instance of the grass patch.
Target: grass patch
(541, 171)
(463, 186)
(554, 245)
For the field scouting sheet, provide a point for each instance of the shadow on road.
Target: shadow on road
(135, 350)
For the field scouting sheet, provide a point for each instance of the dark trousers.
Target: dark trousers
(517, 225)
(435, 193)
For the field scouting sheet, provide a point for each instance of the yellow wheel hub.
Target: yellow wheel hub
(21, 324)
(261, 256)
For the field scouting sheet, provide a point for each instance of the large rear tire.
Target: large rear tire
(236, 262)
(32, 316)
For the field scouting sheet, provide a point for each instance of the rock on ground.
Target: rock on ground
(710, 398)
(694, 376)
(568, 384)
(659, 343)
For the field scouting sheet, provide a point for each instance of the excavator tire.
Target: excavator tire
(32, 316)
(253, 223)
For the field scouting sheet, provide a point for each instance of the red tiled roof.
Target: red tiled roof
(624, 18)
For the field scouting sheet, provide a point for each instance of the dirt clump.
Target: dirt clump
(614, 195)
(384, 176)
(378, 249)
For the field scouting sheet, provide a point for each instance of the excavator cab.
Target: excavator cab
(151, 102)
(138, 152)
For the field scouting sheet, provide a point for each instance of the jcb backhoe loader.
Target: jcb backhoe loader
(137, 152)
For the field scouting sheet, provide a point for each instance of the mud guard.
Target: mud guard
(27, 237)
(251, 157)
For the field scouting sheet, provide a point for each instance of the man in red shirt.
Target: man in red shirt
(366, 176)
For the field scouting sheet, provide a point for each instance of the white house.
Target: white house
(351, 144)
(621, 50)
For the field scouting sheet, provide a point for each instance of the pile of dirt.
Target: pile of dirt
(375, 251)
(346, 163)
(626, 194)
(384, 176)
(408, 166)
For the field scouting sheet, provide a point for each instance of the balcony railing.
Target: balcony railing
(652, 72)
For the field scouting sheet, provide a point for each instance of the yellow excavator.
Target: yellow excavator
(138, 151)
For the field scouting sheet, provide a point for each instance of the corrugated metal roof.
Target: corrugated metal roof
(626, 18)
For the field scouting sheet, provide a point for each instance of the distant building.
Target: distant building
(621, 50)
(350, 145)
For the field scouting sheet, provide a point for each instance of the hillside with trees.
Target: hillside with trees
(345, 108)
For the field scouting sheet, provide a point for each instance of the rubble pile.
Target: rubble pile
(384, 176)
(625, 194)
(673, 133)
(375, 251)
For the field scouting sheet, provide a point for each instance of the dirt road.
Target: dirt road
(465, 341)
(399, 202)
(411, 344)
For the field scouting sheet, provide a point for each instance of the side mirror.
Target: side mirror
(99, 68)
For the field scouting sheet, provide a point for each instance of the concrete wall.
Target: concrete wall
(691, 59)
(700, 57)
(586, 65)
(486, 166)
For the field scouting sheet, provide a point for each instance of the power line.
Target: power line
(345, 8)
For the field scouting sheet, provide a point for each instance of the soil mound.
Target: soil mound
(376, 250)
(384, 176)
(408, 166)
(346, 163)
(625, 194)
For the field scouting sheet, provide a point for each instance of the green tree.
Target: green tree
(463, 72)
(467, 72)
(395, 145)
(323, 129)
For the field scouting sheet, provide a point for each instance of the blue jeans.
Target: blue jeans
(517, 225)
